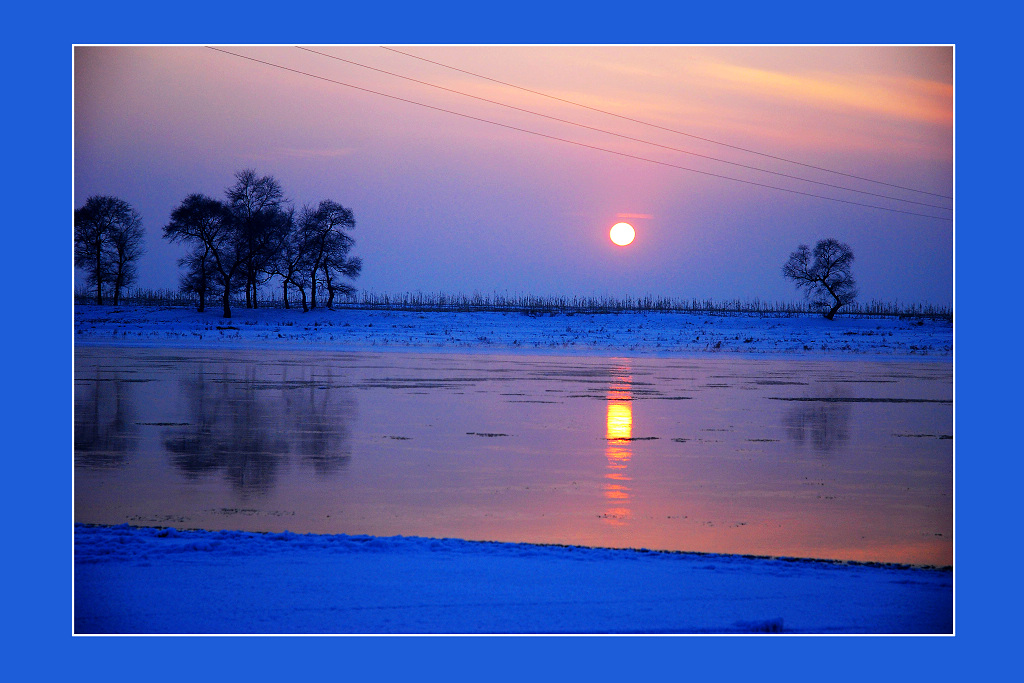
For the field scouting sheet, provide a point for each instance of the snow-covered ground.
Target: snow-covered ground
(143, 580)
(600, 334)
(147, 580)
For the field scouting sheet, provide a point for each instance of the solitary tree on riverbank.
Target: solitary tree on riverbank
(108, 243)
(827, 281)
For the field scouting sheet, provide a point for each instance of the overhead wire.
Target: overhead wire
(619, 135)
(571, 142)
(671, 130)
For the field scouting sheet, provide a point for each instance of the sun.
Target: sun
(622, 234)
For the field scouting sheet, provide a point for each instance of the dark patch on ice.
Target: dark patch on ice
(116, 380)
(488, 434)
(633, 438)
(864, 381)
(664, 398)
(841, 399)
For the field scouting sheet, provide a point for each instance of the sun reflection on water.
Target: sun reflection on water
(618, 450)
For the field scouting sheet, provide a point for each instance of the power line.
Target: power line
(671, 130)
(619, 135)
(571, 142)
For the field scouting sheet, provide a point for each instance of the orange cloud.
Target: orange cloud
(899, 97)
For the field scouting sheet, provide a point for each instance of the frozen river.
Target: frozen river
(847, 460)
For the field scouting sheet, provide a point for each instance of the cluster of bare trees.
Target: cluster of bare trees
(241, 243)
(108, 243)
(235, 245)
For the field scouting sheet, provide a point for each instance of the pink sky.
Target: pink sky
(448, 203)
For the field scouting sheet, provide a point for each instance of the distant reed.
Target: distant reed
(529, 304)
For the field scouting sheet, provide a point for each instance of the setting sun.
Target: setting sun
(622, 234)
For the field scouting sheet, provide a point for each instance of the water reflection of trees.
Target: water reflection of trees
(321, 416)
(105, 429)
(824, 424)
(244, 426)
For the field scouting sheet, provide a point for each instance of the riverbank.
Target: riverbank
(662, 334)
(148, 580)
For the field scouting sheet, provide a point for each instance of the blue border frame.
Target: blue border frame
(39, 513)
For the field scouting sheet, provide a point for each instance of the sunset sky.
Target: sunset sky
(455, 204)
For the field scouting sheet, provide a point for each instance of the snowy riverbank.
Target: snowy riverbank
(146, 580)
(596, 334)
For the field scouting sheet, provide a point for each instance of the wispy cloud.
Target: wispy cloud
(898, 97)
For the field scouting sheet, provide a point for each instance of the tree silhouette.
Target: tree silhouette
(315, 251)
(108, 243)
(827, 281)
(200, 275)
(207, 224)
(260, 224)
(331, 244)
(253, 237)
(291, 261)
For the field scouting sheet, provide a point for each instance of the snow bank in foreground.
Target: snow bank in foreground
(594, 334)
(146, 580)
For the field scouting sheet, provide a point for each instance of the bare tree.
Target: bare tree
(261, 224)
(200, 276)
(291, 260)
(327, 247)
(337, 264)
(108, 242)
(125, 250)
(207, 224)
(827, 281)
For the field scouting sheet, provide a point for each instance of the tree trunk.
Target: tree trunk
(226, 281)
(99, 275)
(305, 308)
(330, 288)
(312, 292)
(835, 307)
(286, 294)
(202, 298)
